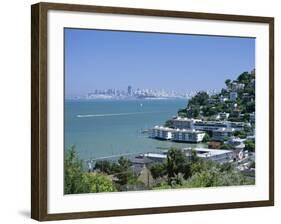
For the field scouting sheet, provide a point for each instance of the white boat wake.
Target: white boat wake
(119, 114)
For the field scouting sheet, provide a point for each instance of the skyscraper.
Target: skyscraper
(130, 91)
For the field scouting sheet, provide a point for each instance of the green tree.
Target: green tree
(194, 158)
(246, 118)
(94, 183)
(250, 145)
(206, 138)
(225, 167)
(200, 165)
(193, 111)
(216, 177)
(196, 112)
(244, 77)
(182, 112)
(73, 171)
(204, 179)
(176, 163)
(227, 82)
(125, 178)
(124, 163)
(158, 170)
(169, 123)
(186, 170)
(253, 164)
(104, 166)
(201, 98)
(77, 181)
(240, 134)
(250, 107)
(124, 174)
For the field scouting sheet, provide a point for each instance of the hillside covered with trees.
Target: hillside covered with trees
(239, 106)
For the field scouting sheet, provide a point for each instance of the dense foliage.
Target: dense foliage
(121, 171)
(206, 138)
(95, 182)
(73, 173)
(240, 134)
(250, 145)
(181, 172)
(76, 180)
(177, 171)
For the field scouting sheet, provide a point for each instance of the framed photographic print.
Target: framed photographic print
(141, 111)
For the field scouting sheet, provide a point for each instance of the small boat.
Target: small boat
(144, 131)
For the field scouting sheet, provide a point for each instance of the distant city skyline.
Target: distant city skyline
(137, 93)
(96, 59)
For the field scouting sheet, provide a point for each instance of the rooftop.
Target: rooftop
(188, 131)
(177, 130)
(203, 152)
(155, 155)
(142, 160)
(163, 128)
(185, 119)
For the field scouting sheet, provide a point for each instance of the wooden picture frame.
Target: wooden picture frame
(39, 110)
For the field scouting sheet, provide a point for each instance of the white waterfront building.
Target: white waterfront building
(188, 135)
(161, 132)
(197, 124)
(180, 135)
(193, 130)
(183, 123)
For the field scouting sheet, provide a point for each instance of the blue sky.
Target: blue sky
(96, 59)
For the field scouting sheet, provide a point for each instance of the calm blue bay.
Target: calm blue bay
(102, 128)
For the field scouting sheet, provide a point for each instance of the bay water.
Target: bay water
(109, 128)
